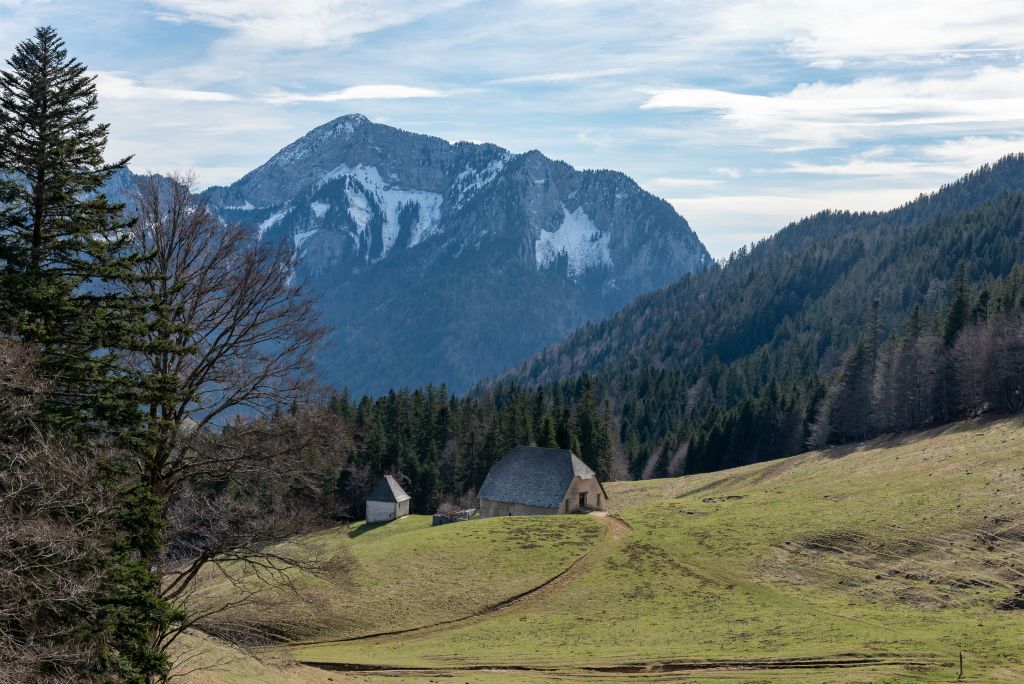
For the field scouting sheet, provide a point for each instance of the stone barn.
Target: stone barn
(538, 481)
(388, 501)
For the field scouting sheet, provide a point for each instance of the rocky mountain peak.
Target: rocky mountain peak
(383, 219)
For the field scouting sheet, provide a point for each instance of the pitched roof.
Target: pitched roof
(534, 476)
(389, 491)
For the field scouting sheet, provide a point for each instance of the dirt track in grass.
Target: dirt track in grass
(614, 530)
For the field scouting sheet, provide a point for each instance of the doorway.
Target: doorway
(583, 500)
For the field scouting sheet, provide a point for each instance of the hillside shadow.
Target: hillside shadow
(368, 527)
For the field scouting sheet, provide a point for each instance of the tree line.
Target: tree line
(440, 446)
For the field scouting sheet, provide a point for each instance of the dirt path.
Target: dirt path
(694, 666)
(615, 530)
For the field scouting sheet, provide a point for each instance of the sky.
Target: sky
(745, 115)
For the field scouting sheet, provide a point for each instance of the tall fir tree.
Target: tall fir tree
(63, 248)
(64, 259)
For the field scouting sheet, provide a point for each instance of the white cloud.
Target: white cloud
(360, 92)
(724, 222)
(685, 182)
(839, 31)
(947, 158)
(824, 114)
(564, 76)
(726, 171)
(299, 23)
(973, 151)
(864, 167)
(114, 87)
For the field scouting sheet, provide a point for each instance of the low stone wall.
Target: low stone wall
(491, 509)
(458, 516)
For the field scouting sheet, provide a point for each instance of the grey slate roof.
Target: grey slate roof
(388, 491)
(533, 476)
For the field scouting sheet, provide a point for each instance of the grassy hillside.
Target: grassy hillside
(395, 576)
(879, 562)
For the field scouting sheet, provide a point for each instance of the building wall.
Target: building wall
(596, 501)
(380, 511)
(490, 509)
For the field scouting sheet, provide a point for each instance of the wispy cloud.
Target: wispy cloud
(724, 222)
(563, 76)
(947, 158)
(685, 182)
(360, 92)
(847, 31)
(299, 23)
(825, 114)
(114, 87)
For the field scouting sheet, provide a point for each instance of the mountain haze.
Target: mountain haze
(437, 262)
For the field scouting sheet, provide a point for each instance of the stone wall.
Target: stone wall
(490, 509)
(457, 516)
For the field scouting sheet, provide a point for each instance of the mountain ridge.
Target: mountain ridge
(464, 257)
(983, 185)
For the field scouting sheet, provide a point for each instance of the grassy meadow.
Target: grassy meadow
(878, 562)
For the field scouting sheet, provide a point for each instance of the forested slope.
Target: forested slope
(738, 360)
(840, 327)
(811, 282)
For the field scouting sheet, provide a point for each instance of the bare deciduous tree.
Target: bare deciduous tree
(231, 332)
(231, 336)
(53, 517)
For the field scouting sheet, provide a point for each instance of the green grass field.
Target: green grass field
(880, 562)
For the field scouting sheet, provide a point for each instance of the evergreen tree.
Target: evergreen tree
(566, 431)
(65, 260)
(547, 436)
(958, 310)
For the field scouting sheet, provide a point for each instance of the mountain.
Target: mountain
(437, 262)
(703, 360)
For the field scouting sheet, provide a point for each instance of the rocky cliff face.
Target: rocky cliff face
(438, 262)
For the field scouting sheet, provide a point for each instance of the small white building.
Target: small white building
(388, 501)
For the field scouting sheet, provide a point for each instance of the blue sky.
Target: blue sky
(744, 115)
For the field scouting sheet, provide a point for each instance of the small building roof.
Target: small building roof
(388, 491)
(534, 476)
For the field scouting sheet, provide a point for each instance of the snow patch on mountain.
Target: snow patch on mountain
(358, 209)
(471, 180)
(579, 239)
(302, 237)
(243, 207)
(319, 209)
(369, 188)
(273, 220)
(429, 214)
